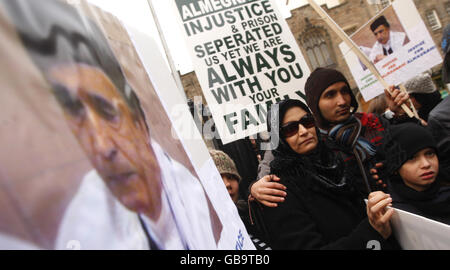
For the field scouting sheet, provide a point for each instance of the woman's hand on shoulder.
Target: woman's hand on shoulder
(268, 191)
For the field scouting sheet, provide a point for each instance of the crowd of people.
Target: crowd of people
(333, 181)
(337, 174)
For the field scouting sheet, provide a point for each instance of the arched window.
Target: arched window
(317, 50)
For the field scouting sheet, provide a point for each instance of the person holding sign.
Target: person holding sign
(323, 209)
(334, 106)
(415, 186)
(387, 42)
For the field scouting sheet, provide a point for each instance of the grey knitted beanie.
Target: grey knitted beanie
(224, 163)
(421, 84)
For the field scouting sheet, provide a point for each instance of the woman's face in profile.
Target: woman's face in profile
(304, 140)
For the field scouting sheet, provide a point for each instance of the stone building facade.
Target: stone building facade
(320, 45)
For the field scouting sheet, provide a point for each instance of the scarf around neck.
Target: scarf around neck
(347, 135)
(320, 169)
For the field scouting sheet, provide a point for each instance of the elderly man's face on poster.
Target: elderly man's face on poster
(91, 164)
(113, 135)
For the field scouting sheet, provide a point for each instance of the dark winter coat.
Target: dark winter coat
(433, 203)
(374, 131)
(322, 209)
(439, 125)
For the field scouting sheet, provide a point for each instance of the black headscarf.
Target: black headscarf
(321, 168)
(275, 118)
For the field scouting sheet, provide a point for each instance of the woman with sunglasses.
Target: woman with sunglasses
(323, 210)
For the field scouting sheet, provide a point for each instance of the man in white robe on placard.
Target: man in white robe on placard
(388, 42)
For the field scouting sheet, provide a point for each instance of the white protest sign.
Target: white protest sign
(245, 58)
(400, 51)
(415, 232)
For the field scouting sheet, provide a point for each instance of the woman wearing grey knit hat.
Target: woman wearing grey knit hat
(423, 94)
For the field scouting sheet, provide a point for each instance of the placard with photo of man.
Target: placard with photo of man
(397, 42)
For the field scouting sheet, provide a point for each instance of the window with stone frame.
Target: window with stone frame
(433, 20)
(315, 42)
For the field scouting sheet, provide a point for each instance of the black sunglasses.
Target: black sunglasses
(291, 128)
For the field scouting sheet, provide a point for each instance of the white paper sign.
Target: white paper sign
(407, 51)
(245, 58)
(415, 232)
